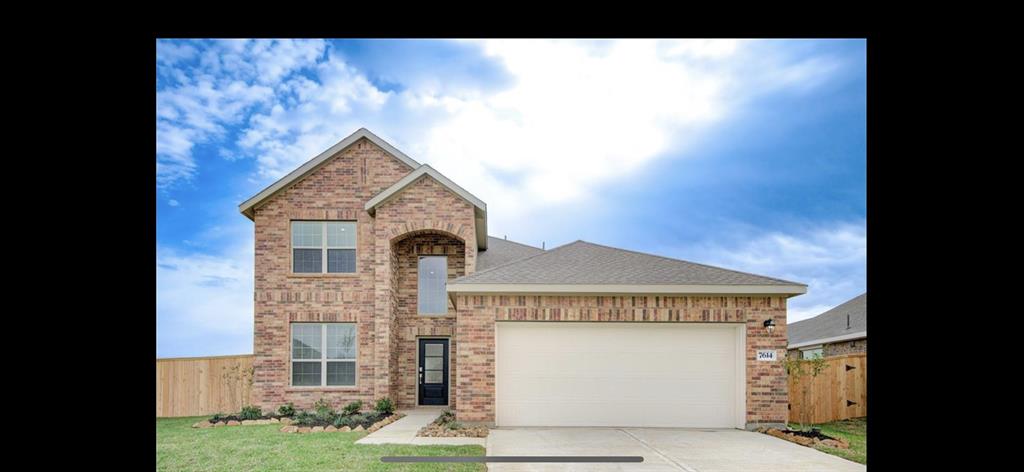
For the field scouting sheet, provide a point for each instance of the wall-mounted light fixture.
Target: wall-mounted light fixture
(769, 324)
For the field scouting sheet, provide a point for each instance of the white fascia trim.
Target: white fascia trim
(834, 339)
(422, 170)
(247, 207)
(582, 289)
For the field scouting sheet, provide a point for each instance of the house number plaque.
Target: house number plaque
(766, 355)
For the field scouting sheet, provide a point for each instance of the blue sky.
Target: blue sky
(749, 155)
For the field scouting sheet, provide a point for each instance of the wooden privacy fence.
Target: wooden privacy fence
(837, 393)
(193, 386)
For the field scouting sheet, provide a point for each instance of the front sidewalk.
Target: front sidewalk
(404, 431)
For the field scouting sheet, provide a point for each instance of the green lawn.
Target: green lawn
(263, 447)
(854, 430)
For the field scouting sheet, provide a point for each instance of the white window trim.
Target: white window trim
(324, 245)
(445, 295)
(323, 357)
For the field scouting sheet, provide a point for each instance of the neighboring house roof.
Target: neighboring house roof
(582, 267)
(831, 326)
(502, 251)
(249, 205)
(423, 171)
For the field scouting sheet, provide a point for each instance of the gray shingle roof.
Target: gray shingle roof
(581, 262)
(832, 323)
(502, 251)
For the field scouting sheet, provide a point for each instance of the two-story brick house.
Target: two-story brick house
(375, 277)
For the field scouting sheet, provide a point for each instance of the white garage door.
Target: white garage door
(619, 374)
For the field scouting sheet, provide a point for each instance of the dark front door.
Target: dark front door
(433, 372)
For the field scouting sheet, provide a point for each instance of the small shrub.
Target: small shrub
(305, 418)
(251, 413)
(454, 425)
(349, 420)
(288, 409)
(217, 417)
(447, 416)
(384, 406)
(324, 412)
(352, 408)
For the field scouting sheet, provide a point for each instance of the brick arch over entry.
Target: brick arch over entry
(410, 325)
(424, 207)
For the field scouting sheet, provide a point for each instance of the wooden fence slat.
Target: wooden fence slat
(202, 385)
(829, 393)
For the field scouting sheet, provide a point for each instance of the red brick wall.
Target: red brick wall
(766, 381)
(336, 191)
(424, 207)
(412, 325)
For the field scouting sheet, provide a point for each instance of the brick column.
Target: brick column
(474, 383)
(767, 387)
(382, 327)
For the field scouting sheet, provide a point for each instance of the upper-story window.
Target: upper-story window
(323, 247)
(433, 279)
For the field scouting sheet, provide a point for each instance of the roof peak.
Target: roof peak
(246, 208)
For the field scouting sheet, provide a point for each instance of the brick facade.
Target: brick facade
(767, 397)
(381, 298)
(338, 190)
(411, 325)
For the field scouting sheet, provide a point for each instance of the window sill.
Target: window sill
(432, 315)
(317, 388)
(324, 276)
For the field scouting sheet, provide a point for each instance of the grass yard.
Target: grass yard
(263, 447)
(854, 430)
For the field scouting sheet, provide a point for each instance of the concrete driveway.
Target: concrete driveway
(663, 449)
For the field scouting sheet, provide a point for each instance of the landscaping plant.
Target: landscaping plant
(447, 416)
(251, 413)
(801, 369)
(288, 409)
(384, 406)
(352, 408)
(305, 418)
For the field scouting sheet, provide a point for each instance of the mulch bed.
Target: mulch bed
(442, 428)
(807, 438)
(434, 430)
(370, 423)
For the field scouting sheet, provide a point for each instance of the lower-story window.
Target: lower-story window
(323, 354)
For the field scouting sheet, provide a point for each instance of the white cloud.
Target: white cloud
(172, 202)
(205, 294)
(830, 259)
(230, 78)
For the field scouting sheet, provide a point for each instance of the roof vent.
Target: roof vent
(847, 321)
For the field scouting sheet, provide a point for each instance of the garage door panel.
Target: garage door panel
(616, 374)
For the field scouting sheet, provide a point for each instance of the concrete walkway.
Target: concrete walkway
(404, 431)
(663, 450)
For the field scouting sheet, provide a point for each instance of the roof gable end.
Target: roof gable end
(425, 171)
(248, 207)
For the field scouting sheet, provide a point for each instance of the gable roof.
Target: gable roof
(582, 267)
(479, 207)
(830, 326)
(502, 251)
(311, 165)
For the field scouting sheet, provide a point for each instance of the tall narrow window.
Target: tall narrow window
(323, 247)
(433, 278)
(323, 354)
